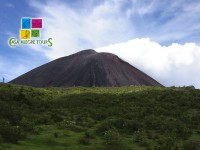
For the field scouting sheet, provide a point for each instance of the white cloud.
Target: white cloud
(171, 65)
(73, 30)
(10, 5)
(114, 21)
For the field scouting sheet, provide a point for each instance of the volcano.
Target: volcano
(86, 68)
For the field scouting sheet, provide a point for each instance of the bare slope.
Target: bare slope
(86, 68)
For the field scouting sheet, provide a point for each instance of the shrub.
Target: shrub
(55, 134)
(84, 140)
(88, 134)
(113, 140)
(11, 134)
(56, 117)
(189, 145)
(132, 125)
(140, 137)
(103, 127)
(51, 142)
(27, 124)
(44, 118)
(66, 124)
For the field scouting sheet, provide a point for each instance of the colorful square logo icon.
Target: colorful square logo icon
(26, 23)
(25, 34)
(35, 33)
(36, 23)
(30, 33)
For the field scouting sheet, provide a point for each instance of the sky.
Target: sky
(161, 38)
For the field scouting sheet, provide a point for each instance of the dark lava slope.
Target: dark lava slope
(86, 68)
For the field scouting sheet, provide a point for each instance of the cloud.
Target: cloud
(10, 5)
(80, 25)
(175, 64)
(166, 21)
(76, 29)
(7, 34)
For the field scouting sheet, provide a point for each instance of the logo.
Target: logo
(30, 33)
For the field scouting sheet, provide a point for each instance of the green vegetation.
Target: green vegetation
(125, 118)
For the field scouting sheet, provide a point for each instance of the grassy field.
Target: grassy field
(115, 118)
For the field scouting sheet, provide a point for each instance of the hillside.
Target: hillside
(117, 118)
(86, 68)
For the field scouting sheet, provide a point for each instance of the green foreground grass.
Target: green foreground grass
(117, 118)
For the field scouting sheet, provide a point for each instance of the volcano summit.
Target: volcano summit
(86, 68)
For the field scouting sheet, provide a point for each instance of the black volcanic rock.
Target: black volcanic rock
(86, 68)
